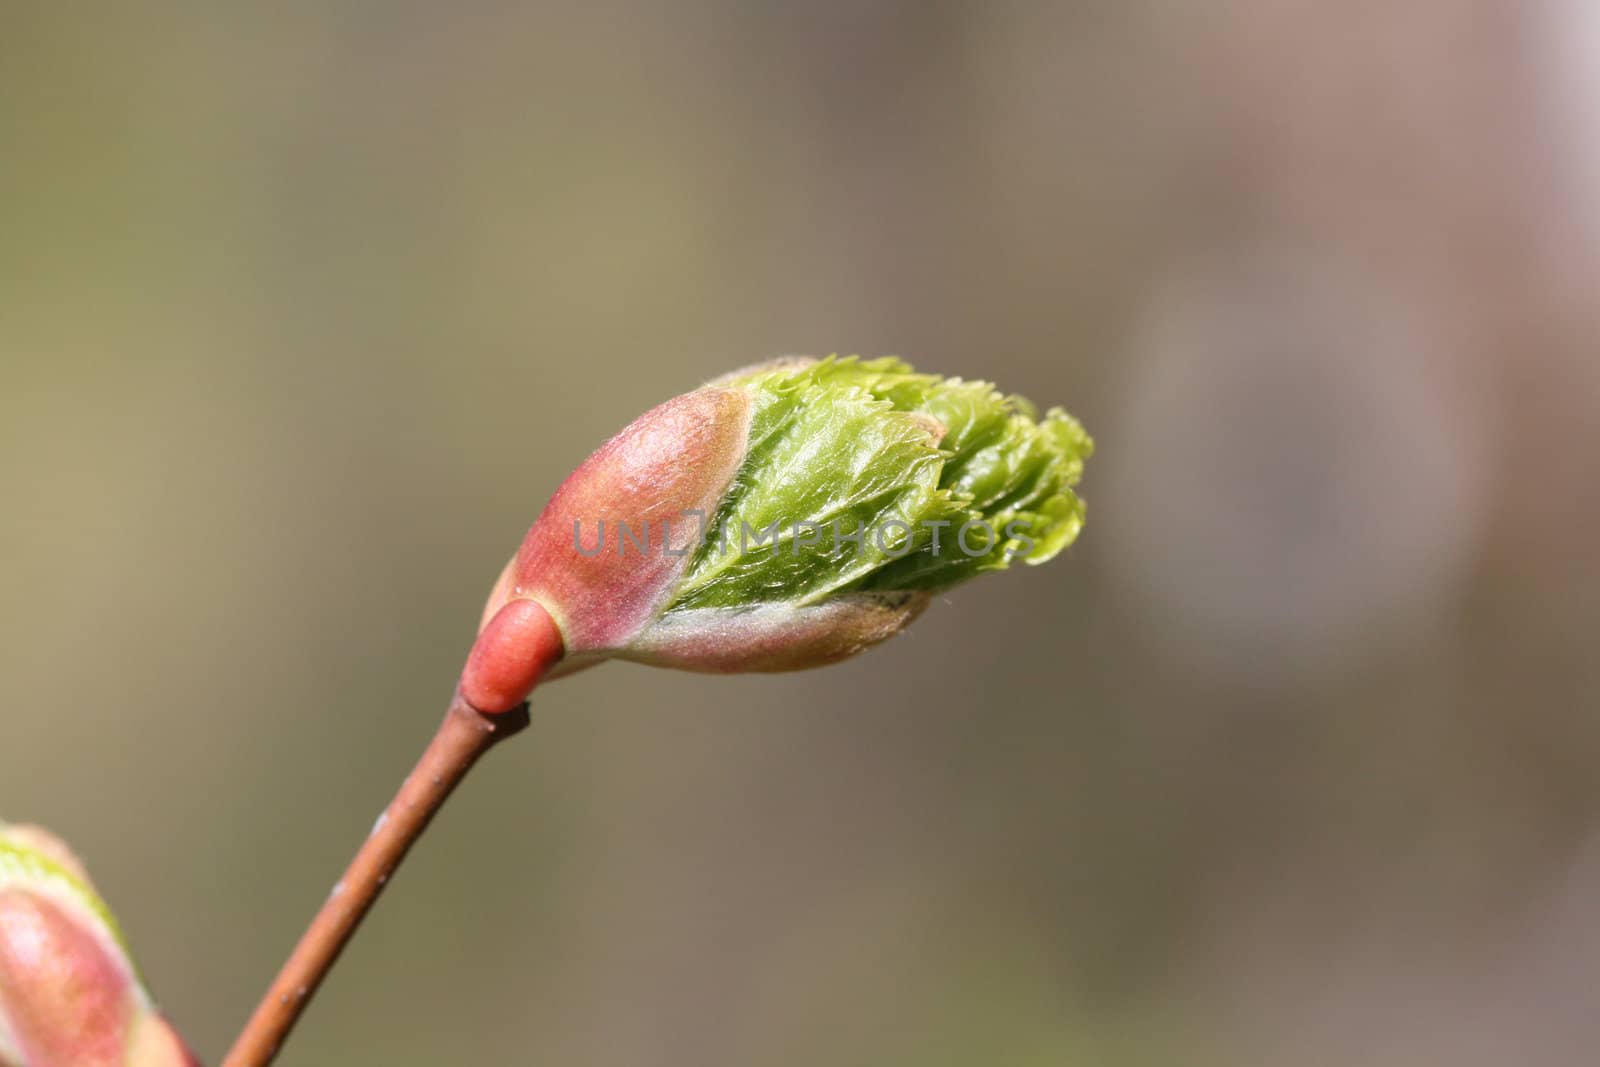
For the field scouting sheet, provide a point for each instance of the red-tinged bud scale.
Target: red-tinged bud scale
(555, 599)
(675, 460)
(514, 649)
(69, 994)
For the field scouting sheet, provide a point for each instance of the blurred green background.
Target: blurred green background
(305, 309)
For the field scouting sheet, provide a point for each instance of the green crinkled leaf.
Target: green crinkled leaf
(843, 447)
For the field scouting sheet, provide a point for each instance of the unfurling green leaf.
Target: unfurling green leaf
(784, 516)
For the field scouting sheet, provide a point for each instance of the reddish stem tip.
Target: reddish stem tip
(512, 652)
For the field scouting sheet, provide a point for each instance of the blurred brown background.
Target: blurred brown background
(305, 309)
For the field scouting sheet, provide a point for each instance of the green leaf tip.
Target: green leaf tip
(941, 479)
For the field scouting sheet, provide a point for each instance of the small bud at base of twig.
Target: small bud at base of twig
(512, 651)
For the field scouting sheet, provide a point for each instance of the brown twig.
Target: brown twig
(464, 736)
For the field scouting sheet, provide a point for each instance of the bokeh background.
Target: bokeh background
(1294, 760)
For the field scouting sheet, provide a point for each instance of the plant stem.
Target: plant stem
(464, 736)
